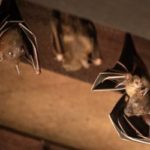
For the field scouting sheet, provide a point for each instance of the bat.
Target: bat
(131, 115)
(17, 42)
(74, 41)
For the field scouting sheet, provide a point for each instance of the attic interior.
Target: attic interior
(57, 110)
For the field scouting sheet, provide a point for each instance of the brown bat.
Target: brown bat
(74, 42)
(17, 41)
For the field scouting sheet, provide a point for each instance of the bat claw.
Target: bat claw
(120, 84)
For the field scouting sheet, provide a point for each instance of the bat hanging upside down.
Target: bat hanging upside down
(18, 43)
(75, 42)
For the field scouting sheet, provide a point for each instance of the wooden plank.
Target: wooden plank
(126, 15)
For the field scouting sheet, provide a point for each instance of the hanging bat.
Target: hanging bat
(131, 77)
(17, 42)
(74, 40)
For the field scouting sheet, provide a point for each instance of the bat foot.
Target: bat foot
(59, 57)
(97, 62)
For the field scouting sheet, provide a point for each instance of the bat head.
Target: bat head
(11, 45)
(134, 85)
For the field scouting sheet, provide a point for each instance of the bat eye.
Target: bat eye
(11, 55)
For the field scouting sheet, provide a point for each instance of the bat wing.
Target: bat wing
(108, 81)
(9, 8)
(130, 59)
(129, 128)
(31, 53)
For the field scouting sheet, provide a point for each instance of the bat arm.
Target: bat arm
(132, 126)
(123, 66)
(120, 84)
(114, 77)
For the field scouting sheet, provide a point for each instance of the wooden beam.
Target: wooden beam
(125, 15)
